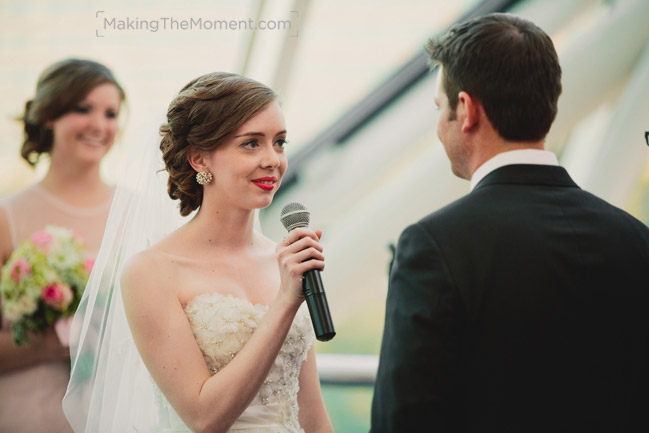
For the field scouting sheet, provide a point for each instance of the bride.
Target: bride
(214, 308)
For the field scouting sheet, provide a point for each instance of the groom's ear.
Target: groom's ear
(196, 159)
(468, 109)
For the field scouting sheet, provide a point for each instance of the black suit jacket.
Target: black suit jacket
(522, 307)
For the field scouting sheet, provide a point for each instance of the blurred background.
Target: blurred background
(358, 100)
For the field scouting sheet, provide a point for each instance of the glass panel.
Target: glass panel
(348, 48)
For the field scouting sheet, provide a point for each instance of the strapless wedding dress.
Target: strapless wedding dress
(222, 325)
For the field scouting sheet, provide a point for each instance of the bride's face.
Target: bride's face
(248, 167)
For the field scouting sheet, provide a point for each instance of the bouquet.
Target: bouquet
(43, 281)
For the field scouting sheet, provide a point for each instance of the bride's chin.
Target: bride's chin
(264, 202)
(263, 205)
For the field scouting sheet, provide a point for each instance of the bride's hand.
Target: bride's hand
(299, 252)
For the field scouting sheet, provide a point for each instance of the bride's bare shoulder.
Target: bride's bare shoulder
(149, 267)
(156, 259)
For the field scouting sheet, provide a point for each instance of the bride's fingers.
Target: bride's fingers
(297, 254)
(308, 265)
(299, 245)
(305, 243)
(289, 257)
(307, 254)
(299, 233)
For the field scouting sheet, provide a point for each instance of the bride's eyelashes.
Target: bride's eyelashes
(250, 144)
(254, 143)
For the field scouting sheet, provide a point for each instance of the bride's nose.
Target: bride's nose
(269, 157)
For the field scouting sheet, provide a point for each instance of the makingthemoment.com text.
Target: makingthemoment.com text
(170, 23)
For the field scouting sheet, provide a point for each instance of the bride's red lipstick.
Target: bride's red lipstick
(266, 183)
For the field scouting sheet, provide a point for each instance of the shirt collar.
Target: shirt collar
(522, 156)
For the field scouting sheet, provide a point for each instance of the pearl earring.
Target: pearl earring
(203, 177)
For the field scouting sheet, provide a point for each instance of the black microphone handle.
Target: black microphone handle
(316, 300)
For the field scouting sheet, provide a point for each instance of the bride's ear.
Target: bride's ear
(196, 159)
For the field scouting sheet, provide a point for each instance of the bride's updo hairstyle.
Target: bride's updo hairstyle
(60, 88)
(205, 112)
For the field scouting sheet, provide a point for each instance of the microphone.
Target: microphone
(296, 215)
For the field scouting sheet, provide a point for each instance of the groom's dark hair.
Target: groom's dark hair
(510, 65)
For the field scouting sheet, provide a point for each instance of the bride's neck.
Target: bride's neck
(232, 229)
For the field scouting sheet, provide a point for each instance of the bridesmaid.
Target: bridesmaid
(73, 119)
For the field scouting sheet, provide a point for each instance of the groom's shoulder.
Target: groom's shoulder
(466, 207)
(458, 215)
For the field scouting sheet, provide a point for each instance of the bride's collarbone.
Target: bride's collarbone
(222, 267)
(256, 283)
(218, 259)
(253, 277)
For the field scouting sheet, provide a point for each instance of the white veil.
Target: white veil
(110, 389)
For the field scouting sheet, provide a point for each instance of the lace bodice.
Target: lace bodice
(222, 325)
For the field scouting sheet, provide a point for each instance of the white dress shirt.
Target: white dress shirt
(523, 156)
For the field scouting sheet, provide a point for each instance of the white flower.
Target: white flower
(60, 234)
(27, 305)
(12, 310)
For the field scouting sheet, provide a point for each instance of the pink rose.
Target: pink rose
(42, 240)
(57, 296)
(88, 264)
(19, 269)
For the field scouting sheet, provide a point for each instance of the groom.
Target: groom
(523, 306)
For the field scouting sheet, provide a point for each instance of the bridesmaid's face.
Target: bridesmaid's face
(87, 132)
(248, 168)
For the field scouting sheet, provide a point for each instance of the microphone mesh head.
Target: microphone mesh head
(294, 215)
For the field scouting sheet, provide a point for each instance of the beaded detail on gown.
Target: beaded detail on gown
(222, 325)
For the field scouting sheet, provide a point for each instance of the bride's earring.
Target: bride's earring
(203, 177)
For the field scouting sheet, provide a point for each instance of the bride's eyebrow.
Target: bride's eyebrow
(252, 134)
(258, 134)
